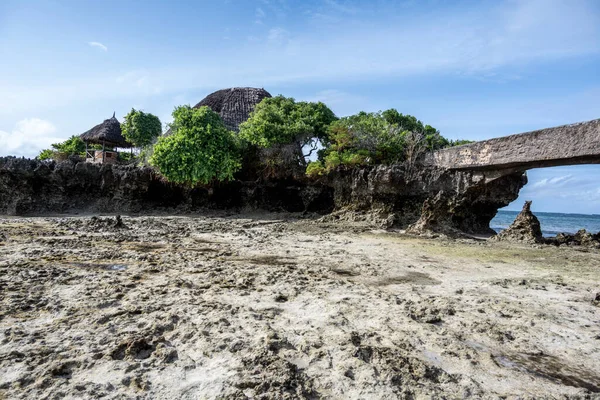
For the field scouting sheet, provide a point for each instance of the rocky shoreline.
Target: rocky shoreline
(526, 229)
(427, 199)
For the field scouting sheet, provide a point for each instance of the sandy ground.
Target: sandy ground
(276, 307)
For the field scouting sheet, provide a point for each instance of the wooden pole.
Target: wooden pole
(103, 146)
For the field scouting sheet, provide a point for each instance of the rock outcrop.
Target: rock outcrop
(526, 228)
(431, 199)
(31, 187)
(428, 200)
(581, 238)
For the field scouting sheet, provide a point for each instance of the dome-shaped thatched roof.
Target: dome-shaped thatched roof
(234, 105)
(108, 132)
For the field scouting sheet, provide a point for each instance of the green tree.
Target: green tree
(364, 138)
(384, 137)
(140, 128)
(72, 146)
(200, 149)
(281, 120)
(434, 140)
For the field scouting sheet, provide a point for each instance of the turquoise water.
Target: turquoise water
(552, 223)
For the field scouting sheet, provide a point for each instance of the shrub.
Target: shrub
(141, 129)
(46, 154)
(200, 149)
(315, 168)
(70, 147)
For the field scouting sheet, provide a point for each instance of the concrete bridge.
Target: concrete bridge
(563, 145)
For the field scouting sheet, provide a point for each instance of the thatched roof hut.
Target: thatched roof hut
(107, 133)
(234, 104)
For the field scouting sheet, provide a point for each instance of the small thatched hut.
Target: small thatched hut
(108, 133)
(234, 105)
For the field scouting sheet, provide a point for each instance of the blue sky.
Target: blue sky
(473, 69)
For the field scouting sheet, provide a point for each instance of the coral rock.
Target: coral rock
(526, 228)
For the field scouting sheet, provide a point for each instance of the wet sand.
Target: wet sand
(272, 306)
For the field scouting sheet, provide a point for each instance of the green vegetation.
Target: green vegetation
(200, 149)
(276, 141)
(281, 120)
(386, 137)
(70, 147)
(140, 128)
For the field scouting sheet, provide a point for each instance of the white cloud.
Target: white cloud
(98, 45)
(28, 137)
(571, 189)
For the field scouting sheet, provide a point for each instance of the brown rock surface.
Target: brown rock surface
(526, 228)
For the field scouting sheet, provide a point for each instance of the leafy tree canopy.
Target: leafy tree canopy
(200, 149)
(282, 120)
(140, 128)
(384, 137)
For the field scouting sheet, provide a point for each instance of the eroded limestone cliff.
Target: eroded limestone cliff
(422, 199)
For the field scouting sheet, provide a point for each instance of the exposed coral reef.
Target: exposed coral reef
(581, 238)
(270, 306)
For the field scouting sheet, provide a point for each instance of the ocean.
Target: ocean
(551, 223)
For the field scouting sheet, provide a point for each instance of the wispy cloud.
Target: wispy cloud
(98, 45)
(556, 181)
(28, 137)
(487, 42)
(573, 189)
(259, 15)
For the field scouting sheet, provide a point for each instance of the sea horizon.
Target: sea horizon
(552, 223)
(550, 212)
